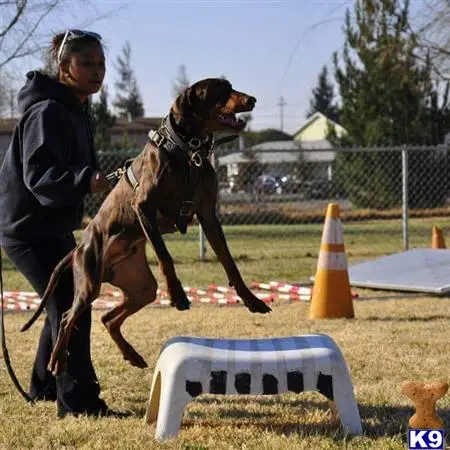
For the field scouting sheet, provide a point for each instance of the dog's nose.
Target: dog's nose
(250, 102)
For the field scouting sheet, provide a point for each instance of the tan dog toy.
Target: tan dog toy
(424, 397)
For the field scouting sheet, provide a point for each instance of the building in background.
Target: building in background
(132, 133)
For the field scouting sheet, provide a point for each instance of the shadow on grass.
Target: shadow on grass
(406, 319)
(394, 296)
(377, 421)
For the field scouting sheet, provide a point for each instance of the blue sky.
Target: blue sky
(268, 49)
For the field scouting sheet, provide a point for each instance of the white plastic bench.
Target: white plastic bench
(190, 366)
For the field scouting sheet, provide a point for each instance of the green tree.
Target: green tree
(128, 98)
(102, 121)
(388, 98)
(323, 98)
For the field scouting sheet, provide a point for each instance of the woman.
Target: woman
(49, 167)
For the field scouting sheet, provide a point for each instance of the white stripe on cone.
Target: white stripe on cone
(332, 260)
(333, 231)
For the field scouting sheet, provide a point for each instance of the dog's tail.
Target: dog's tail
(63, 265)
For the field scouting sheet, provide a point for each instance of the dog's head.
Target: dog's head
(211, 105)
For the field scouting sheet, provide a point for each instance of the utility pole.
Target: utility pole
(281, 103)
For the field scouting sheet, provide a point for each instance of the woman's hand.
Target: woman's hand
(99, 183)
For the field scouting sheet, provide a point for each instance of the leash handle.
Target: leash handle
(118, 173)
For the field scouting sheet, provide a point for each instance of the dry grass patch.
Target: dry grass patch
(389, 341)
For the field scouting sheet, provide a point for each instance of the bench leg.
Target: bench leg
(151, 413)
(345, 402)
(166, 405)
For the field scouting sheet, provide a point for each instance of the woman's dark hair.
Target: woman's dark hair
(73, 41)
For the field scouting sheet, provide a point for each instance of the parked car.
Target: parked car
(265, 185)
(289, 184)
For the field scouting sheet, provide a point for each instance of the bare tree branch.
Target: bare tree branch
(24, 24)
(16, 53)
(433, 34)
(20, 5)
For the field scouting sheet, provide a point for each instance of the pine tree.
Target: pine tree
(181, 82)
(323, 98)
(102, 121)
(388, 98)
(128, 98)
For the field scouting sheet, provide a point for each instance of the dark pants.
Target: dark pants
(76, 389)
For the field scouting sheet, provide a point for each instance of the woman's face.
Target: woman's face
(85, 71)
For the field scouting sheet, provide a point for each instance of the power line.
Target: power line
(312, 27)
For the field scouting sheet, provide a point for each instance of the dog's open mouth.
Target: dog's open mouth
(231, 121)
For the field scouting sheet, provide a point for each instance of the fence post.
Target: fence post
(405, 198)
(201, 234)
(202, 244)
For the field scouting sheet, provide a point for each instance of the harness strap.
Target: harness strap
(185, 214)
(195, 150)
(131, 177)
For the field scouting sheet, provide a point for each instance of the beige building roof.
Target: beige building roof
(315, 128)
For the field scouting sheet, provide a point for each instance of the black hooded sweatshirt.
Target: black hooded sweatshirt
(48, 166)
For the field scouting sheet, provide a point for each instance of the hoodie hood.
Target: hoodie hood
(40, 87)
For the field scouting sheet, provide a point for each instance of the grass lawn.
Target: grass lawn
(393, 338)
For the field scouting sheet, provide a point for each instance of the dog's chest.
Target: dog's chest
(178, 193)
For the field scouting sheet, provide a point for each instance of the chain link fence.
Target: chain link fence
(279, 187)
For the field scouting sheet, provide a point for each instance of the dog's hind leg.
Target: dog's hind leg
(87, 272)
(134, 278)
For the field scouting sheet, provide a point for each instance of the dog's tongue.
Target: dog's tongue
(231, 120)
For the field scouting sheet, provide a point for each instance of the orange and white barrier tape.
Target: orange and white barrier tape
(270, 292)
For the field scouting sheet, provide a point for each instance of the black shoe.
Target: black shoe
(101, 410)
(45, 397)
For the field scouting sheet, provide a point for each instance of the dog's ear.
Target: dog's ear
(182, 104)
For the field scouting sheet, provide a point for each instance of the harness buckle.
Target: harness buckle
(186, 208)
(117, 174)
(195, 143)
(157, 138)
(197, 159)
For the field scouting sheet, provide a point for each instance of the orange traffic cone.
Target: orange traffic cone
(437, 239)
(332, 297)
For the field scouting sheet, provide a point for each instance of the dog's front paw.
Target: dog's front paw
(253, 303)
(258, 306)
(135, 359)
(178, 298)
(183, 304)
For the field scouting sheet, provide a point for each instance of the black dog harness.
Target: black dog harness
(195, 151)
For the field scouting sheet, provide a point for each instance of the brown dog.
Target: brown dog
(165, 185)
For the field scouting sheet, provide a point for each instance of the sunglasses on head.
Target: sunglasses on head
(71, 35)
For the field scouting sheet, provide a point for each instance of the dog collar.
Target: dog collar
(195, 148)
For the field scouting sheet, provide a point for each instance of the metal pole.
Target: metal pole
(202, 243)
(201, 234)
(405, 199)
